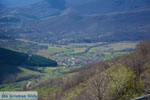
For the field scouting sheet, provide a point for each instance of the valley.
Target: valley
(68, 57)
(73, 50)
(74, 54)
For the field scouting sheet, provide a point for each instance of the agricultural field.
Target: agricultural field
(73, 54)
(84, 53)
(27, 73)
(114, 48)
(13, 86)
(28, 78)
(69, 57)
(78, 54)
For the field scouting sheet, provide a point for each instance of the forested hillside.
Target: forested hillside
(121, 78)
(35, 60)
(10, 61)
(11, 57)
(72, 21)
(129, 26)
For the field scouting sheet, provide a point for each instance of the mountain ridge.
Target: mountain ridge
(71, 19)
(99, 27)
(50, 7)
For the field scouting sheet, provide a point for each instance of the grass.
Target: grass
(84, 55)
(49, 70)
(56, 74)
(78, 50)
(19, 85)
(114, 47)
(23, 40)
(44, 53)
(67, 69)
(56, 71)
(123, 45)
(74, 45)
(87, 54)
(75, 93)
(47, 92)
(68, 53)
(56, 49)
(27, 73)
(13, 86)
(112, 56)
(60, 51)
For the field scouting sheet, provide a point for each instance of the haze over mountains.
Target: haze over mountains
(77, 7)
(45, 43)
(86, 21)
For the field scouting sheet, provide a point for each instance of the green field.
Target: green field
(13, 86)
(45, 73)
(66, 55)
(27, 73)
(56, 49)
(112, 56)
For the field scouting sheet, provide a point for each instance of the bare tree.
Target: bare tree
(97, 90)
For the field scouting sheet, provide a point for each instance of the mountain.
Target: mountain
(10, 57)
(47, 26)
(65, 21)
(109, 6)
(10, 61)
(125, 26)
(45, 8)
(36, 60)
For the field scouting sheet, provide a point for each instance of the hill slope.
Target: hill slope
(46, 8)
(108, 6)
(121, 78)
(11, 57)
(75, 21)
(128, 26)
(10, 61)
